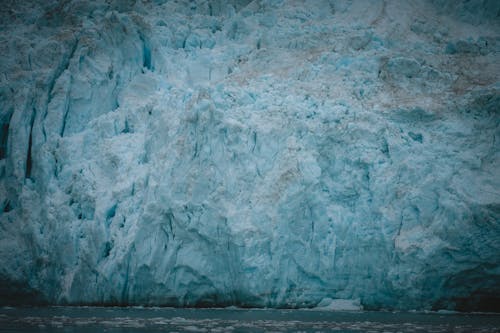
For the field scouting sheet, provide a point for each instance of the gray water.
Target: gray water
(99, 319)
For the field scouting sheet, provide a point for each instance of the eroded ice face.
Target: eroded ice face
(265, 153)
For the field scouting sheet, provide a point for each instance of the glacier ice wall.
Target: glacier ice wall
(257, 153)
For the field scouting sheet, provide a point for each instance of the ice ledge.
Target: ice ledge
(328, 304)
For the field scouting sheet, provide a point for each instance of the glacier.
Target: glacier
(264, 153)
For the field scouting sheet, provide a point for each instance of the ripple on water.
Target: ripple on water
(227, 321)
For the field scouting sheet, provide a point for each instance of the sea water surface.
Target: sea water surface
(137, 319)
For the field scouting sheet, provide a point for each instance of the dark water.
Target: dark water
(96, 319)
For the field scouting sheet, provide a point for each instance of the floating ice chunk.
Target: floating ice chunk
(339, 304)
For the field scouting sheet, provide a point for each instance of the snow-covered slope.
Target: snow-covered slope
(256, 153)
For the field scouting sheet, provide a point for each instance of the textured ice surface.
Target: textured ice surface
(264, 153)
(339, 305)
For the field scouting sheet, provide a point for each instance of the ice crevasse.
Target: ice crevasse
(260, 153)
